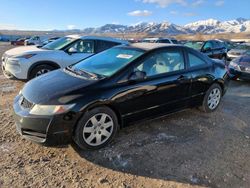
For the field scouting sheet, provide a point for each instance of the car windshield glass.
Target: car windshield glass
(59, 43)
(108, 62)
(194, 45)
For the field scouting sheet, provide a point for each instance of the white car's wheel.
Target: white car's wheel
(40, 70)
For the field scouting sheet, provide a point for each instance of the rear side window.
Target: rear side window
(195, 61)
(104, 45)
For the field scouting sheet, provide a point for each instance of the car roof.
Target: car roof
(159, 38)
(150, 46)
(109, 39)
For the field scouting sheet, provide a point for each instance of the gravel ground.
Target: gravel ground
(186, 149)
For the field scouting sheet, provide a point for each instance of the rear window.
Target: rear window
(194, 60)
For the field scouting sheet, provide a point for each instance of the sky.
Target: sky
(80, 14)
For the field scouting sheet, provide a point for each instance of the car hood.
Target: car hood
(53, 86)
(24, 50)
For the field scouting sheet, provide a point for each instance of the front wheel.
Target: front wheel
(96, 128)
(40, 70)
(212, 98)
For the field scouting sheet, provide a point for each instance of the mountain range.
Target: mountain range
(210, 26)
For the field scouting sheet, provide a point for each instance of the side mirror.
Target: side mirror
(72, 50)
(137, 76)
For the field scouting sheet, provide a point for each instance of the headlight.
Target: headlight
(13, 62)
(50, 109)
(27, 56)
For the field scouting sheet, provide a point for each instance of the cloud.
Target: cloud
(219, 3)
(165, 3)
(140, 13)
(189, 14)
(173, 12)
(4, 26)
(70, 27)
(115, 23)
(197, 3)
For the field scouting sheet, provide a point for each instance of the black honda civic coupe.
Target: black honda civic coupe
(90, 101)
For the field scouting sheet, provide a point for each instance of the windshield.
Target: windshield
(59, 43)
(194, 45)
(108, 62)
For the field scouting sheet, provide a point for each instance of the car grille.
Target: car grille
(24, 103)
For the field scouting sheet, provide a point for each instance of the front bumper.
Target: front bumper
(16, 70)
(46, 130)
(234, 74)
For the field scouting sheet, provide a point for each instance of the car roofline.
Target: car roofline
(149, 46)
(109, 39)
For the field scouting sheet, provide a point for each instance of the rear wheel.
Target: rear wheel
(96, 128)
(212, 98)
(40, 70)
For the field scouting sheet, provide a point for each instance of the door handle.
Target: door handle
(182, 79)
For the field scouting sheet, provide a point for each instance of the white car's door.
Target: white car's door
(78, 51)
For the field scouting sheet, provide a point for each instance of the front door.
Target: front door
(78, 51)
(164, 89)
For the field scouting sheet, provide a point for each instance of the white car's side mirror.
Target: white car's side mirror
(72, 50)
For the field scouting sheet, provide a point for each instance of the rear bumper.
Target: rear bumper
(45, 130)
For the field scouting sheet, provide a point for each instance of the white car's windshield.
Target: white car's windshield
(59, 43)
(108, 62)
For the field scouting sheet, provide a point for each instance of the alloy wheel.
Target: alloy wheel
(214, 98)
(42, 71)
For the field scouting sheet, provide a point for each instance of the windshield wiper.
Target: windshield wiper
(84, 73)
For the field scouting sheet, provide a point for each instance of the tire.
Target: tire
(90, 132)
(212, 99)
(39, 70)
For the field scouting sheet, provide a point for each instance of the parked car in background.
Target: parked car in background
(215, 49)
(27, 62)
(18, 42)
(49, 40)
(239, 68)
(91, 100)
(239, 50)
(160, 40)
(194, 44)
(35, 40)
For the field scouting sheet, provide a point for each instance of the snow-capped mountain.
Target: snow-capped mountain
(210, 26)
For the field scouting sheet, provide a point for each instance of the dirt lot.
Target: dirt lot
(186, 149)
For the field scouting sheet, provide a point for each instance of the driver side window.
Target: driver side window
(162, 62)
(83, 46)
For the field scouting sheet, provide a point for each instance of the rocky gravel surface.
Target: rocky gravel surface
(186, 149)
